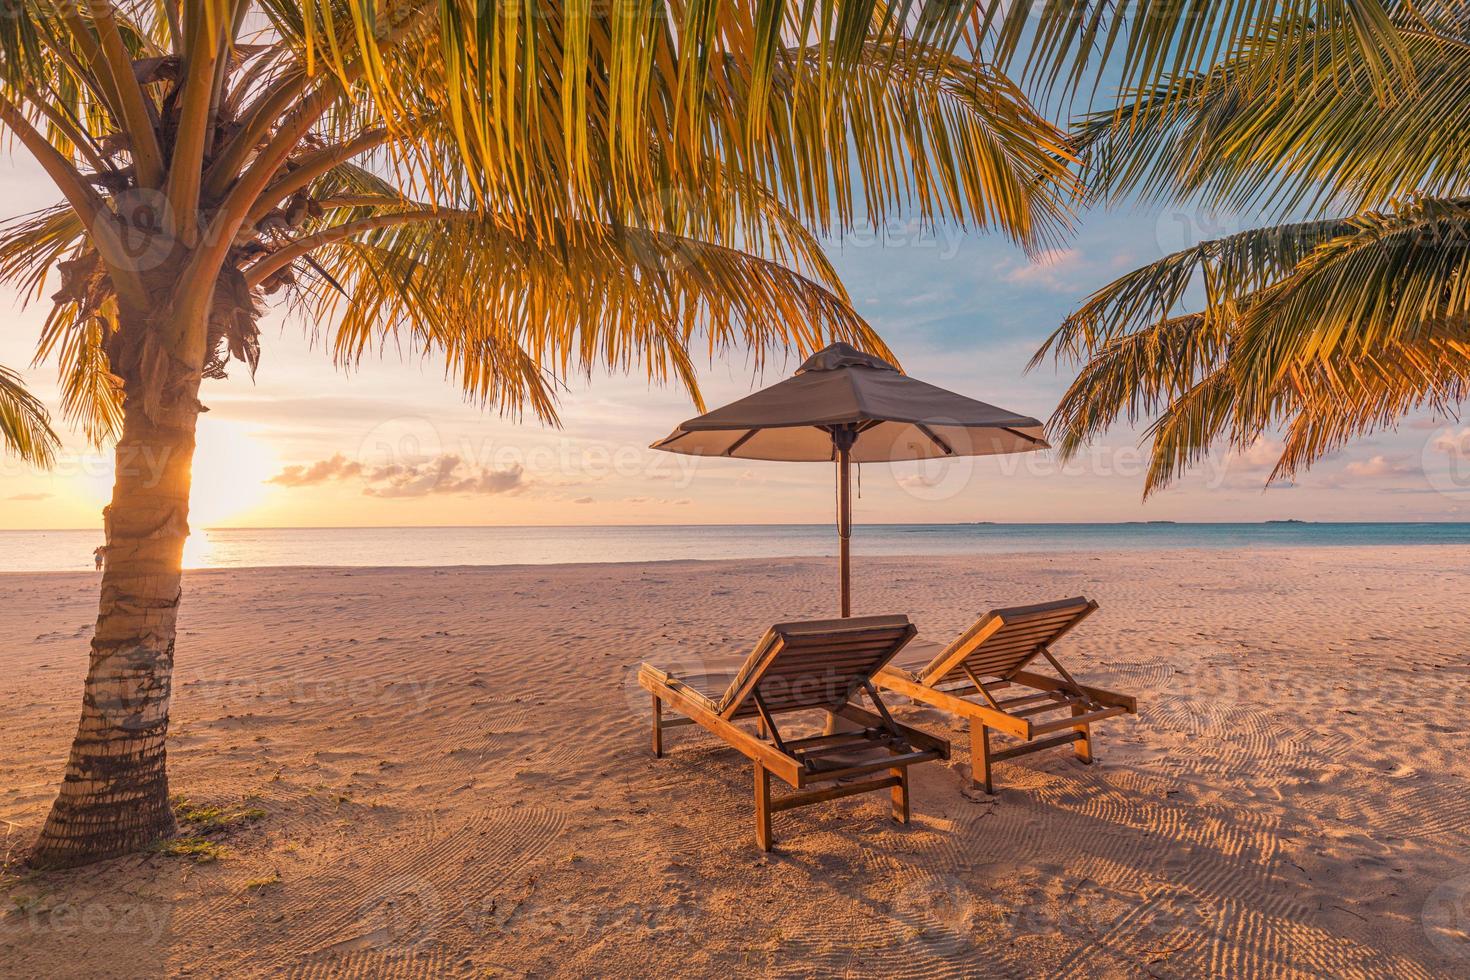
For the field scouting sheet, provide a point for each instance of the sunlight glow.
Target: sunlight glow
(230, 470)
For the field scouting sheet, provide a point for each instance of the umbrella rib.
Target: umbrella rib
(948, 451)
(749, 433)
(1018, 432)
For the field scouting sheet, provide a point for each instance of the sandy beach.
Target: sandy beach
(448, 773)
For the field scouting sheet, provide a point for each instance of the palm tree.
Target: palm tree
(526, 191)
(1323, 329)
(25, 425)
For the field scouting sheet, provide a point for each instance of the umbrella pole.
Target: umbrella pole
(843, 439)
(844, 526)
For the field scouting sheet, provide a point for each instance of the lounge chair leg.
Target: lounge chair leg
(760, 729)
(1084, 744)
(980, 755)
(901, 795)
(762, 807)
(658, 728)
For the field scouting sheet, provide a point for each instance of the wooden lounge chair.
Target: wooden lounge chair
(992, 655)
(807, 666)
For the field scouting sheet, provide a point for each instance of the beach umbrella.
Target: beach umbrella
(848, 407)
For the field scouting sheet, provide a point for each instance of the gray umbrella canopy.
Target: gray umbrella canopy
(895, 417)
(846, 406)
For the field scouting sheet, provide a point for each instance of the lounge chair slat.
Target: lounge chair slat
(1026, 748)
(1018, 614)
(998, 640)
(1020, 638)
(821, 654)
(1098, 694)
(993, 666)
(997, 659)
(1034, 623)
(836, 738)
(833, 793)
(1025, 699)
(1042, 728)
(799, 637)
(862, 769)
(1031, 632)
(836, 659)
(1041, 709)
(817, 651)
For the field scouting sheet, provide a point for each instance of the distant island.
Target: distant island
(1289, 520)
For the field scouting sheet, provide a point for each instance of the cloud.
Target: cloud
(27, 497)
(446, 474)
(1453, 443)
(921, 481)
(1261, 453)
(1050, 268)
(1248, 468)
(1381, 466)
(339, 467)
(585, 500)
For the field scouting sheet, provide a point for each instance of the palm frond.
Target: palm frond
(672, 162)
(1326, 343)
(34, 244)
(1238, 137)
(1221, 272)
(558, 115)
(1067, 46)
(91, 394)
(515, 315)
(1391, 276)
(1348, 398)
(25, 426)
(1136, 376)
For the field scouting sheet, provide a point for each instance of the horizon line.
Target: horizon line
(871, 524)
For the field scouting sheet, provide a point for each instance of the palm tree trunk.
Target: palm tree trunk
(115, 798)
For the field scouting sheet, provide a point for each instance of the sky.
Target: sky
(306, 445)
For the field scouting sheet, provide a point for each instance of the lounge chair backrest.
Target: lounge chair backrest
(815, 664)
(1006, 640)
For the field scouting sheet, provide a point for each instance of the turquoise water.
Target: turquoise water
(31, 551)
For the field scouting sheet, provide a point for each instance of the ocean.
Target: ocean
(45, 551)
